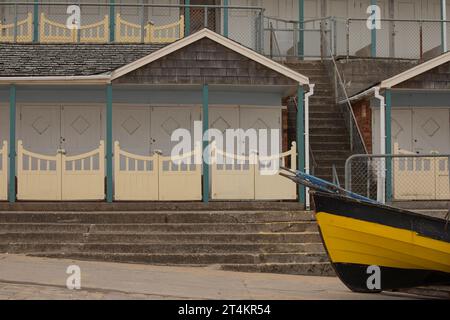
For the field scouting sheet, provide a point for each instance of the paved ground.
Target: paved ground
(24, 277)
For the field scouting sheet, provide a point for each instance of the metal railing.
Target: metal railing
(332, 36)
(357, 144)
(46, 21)
(401, 176)
(88, 22)
(406, 39)
(289, 35)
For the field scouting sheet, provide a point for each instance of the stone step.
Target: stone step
(161, 248)
(299, 237)
(284, 227)
(156, 217)
(327, 131)
(148, 207)
(327, 123)
(326, 146)
(324, 137)
(329, 162)
(193, 258)
(318, 100)
(324, 115)
(317, 269)
(324, 108)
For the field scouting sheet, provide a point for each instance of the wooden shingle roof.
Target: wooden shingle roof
(41, 60)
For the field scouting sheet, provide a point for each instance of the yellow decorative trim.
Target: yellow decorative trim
(24, 30)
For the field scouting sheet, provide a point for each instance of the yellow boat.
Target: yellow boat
(361, 238)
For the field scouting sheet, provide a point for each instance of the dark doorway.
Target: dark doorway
(201, 19)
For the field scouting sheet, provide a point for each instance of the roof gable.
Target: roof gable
(205, 61)
(214, 37)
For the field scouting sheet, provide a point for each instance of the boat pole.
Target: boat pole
(307, 143)
(381, 185)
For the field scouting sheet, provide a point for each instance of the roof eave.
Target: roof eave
(55, 80)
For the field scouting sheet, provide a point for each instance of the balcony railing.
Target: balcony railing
(321, 38)
(55, 22)
(52, 22)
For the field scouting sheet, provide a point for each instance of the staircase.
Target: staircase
(248, 241)
(329, 137)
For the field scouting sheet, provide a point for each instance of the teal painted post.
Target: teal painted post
(187, 17)
(109, 144)
(301, 24)
(443, 26)
(389, 144)
(112, 21)
(373, 34)
(12, 144)
(205, 119)
(301, 140)
(36, 21)
(225, 18)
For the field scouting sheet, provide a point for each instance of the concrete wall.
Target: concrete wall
(359, 74)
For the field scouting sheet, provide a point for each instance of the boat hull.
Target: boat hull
(409, 249)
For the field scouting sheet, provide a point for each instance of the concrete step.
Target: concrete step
(336, 138)
(329, 162)
(326, 131)
(148, 207)
(318, 99)
(325, 116)
(284, 227)
(156, 217)
(322, 269)
(325, 146)
(193, 258)
(336, 153)
(299, 237)
(161, 248)
(327, 123)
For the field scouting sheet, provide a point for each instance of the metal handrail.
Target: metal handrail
(349, 106)
(274, 41)
(335, 176)
(137, 4)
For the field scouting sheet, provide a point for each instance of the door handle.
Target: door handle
(61, 151)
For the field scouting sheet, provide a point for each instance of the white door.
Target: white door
(4, 128)
(431, 131)
(4, 122)
(165, 120)
(222, 119)
(402, 129)
(80, 129)
(268, 186)
(40, 128)
(61, 157)
(262, 119)
(232, 178)
(132, 129)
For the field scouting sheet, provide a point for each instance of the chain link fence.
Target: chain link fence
(283, 38)
(400, 177)
(405, 39)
